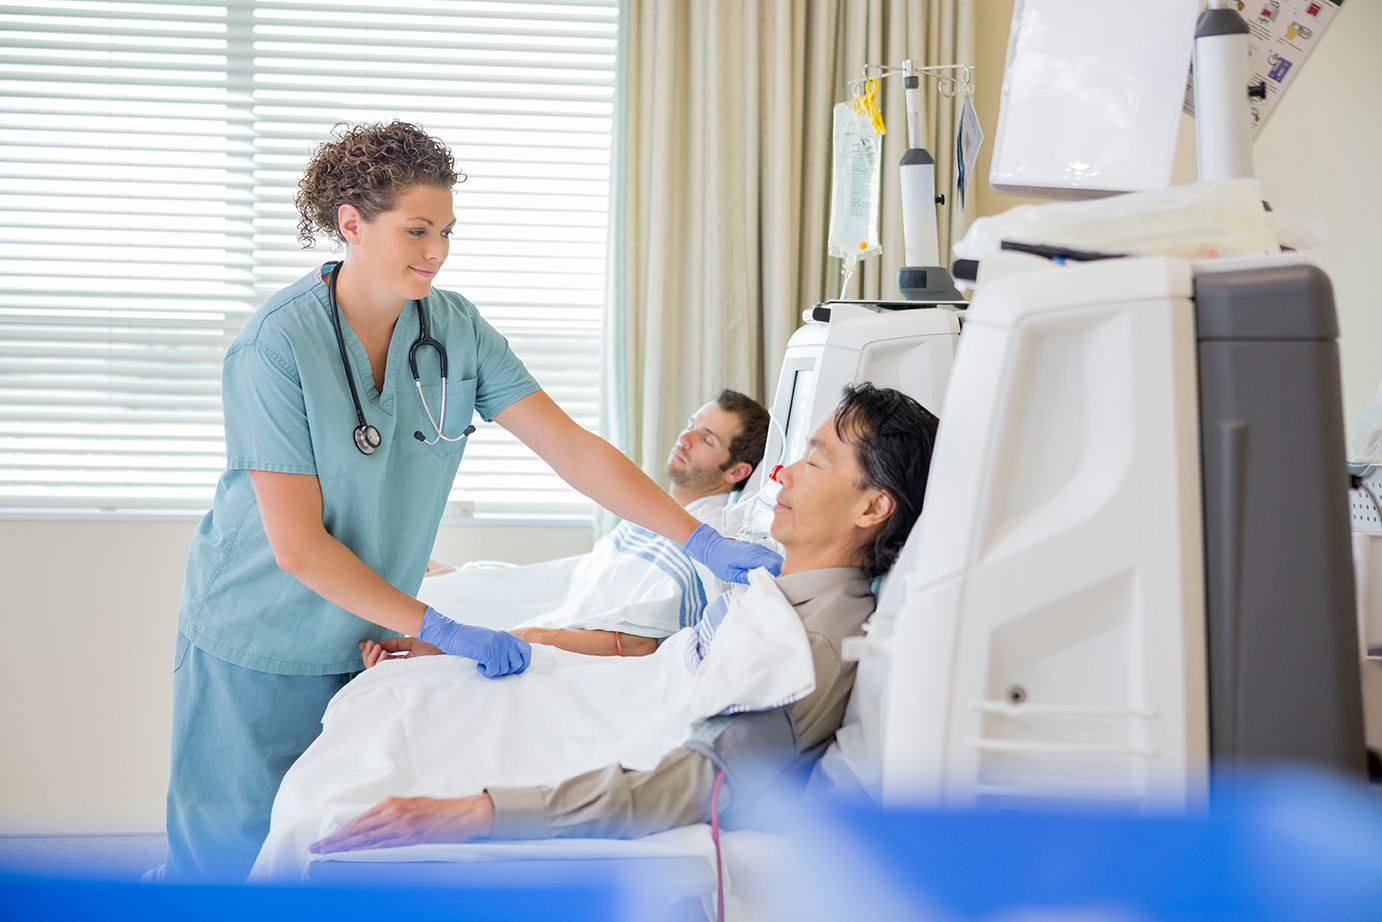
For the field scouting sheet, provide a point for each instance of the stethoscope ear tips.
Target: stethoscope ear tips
(419, 436)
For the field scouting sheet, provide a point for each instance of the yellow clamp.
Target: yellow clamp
(867, 104)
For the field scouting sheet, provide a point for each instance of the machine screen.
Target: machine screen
(798, 416)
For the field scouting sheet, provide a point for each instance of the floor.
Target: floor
(89, 857)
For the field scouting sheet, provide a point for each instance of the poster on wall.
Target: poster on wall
(1284, 32)
(1281, 35)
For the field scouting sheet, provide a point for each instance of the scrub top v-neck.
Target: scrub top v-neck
(287, 409)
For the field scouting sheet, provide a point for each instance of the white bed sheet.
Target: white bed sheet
(747, 885)
(434, 727)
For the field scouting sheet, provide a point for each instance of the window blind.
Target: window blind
(149, 153)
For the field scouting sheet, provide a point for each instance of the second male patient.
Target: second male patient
(634, 588)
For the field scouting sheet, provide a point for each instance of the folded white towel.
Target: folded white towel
(759, 658)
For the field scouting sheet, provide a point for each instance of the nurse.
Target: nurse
(339, 460)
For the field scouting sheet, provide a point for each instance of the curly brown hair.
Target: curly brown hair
(368, 166)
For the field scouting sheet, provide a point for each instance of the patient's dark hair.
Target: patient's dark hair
(748, 445)
(893, 437)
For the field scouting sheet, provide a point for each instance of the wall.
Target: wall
(90, 611)
(1316, 158)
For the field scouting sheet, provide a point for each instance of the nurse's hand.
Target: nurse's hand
(395, 648)
(728, 559)
(412, 821)
(495, 653)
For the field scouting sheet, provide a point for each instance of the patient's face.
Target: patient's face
(821, 497)
(701, 452)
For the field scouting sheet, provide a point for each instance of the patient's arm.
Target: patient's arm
(609, 802)
(437, 568)
(593, 643)
(395, 648)
(411, 821)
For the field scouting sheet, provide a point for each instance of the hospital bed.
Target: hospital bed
(893, 344)
(1133, 563)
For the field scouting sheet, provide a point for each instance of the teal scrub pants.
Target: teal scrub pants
(236, 732)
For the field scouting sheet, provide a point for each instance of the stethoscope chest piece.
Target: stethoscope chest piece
(367, 439)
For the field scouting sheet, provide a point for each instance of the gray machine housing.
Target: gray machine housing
(1283, 656)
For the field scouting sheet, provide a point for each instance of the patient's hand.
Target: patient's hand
(413, 821)
(395, 648)
(437, 568)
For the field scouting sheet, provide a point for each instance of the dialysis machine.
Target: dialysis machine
(1133, 565)
(1133, 570)
(901, 344)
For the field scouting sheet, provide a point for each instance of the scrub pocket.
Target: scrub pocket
(460, 410)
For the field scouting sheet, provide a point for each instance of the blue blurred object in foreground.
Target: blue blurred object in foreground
(1276, 845)
(51, 900)
(393, 883)
(27, 898)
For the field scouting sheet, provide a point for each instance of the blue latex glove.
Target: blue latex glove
(728, 559)
(495, 653)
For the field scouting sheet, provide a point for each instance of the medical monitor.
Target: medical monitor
(798, 413)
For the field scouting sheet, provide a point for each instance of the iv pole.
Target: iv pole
(922, 277)
(1223, 114)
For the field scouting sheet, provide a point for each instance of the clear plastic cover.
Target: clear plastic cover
(1092, 96)
(1204, 220)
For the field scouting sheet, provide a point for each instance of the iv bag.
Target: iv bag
(854, 193)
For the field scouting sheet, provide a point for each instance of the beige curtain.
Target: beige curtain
(721, 201)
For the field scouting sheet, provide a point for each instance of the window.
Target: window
(148, 157)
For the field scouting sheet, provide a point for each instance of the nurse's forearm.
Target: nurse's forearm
(603, 473)
(332, 571)
(595, 467)
(291, 508)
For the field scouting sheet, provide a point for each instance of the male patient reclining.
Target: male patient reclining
(634, 588)
(844, 512)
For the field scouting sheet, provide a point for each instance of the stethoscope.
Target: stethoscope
(367, 438)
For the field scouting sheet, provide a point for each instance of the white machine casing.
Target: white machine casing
(911, 350)
(1053, 629)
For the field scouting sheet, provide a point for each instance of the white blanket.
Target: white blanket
(633, 581)
(433, 726)
(758, 659)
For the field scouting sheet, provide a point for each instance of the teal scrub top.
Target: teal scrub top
(287, 408)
